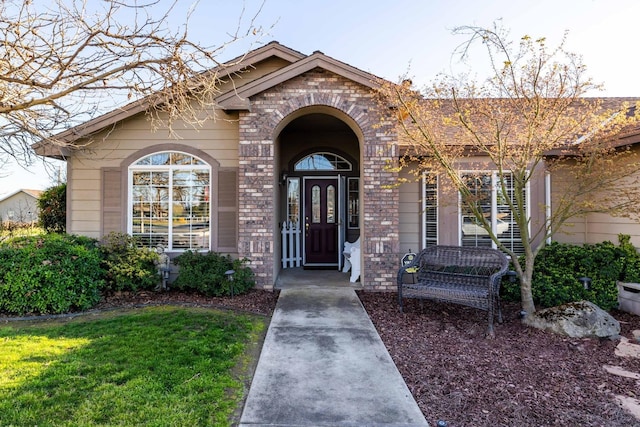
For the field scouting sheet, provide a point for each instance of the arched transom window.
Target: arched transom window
(323, 162)
(170, 201)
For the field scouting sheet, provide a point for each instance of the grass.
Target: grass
(157, 366)
(8, 232)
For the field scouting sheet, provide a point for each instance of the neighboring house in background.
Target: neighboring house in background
(298, 138)
(20, 207)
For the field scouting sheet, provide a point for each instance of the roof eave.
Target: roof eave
(51, 148)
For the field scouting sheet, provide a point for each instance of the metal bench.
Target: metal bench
(462, 275)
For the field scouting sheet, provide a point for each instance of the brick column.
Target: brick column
(380, 212)
(256, 200)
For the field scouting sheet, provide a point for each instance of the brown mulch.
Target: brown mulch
(523, 377)
(255, 301)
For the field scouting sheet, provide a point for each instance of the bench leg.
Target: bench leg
(490, 332)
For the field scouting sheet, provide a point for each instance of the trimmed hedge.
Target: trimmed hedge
(49, 274)
(558, 268)
(205, 273)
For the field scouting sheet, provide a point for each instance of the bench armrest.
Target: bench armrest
(496, 279)
(410, 268)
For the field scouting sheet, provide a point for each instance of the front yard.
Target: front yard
(162, 365)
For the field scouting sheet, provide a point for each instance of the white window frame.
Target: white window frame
(357, 199)
(290, 183)
(426, 240)
(494, 202)
(134, 167)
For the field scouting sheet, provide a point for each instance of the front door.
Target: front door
(321, 221)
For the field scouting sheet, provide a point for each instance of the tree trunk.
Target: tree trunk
(525, 293)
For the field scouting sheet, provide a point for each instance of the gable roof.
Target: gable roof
(239, 99)
(272, 49)
(33, 193)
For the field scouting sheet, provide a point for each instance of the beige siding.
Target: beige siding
(448, 224)
(87, 184)
(597, 228)
(90, 206)
(218, 139)
(594, 227)
(260, 69)
(87, 228)
(602, 227)
(410, 215)
(448, 210)
(572, 232)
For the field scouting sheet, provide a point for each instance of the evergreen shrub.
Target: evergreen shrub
(205, 273)
(49, 274)
(52, 204)
(127, 266)
(559, 267)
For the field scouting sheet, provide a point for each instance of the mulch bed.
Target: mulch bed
(523, 377)
(255, 301)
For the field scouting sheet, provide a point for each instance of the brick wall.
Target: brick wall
(257, 225)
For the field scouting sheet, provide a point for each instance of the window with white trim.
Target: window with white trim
(429, 210)
(170, 201)
(493, 202)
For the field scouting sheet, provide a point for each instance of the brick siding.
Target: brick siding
(257, 199)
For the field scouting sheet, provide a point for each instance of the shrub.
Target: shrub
(510, 288)
(558, 268)
(205, 273)
(630, 260)
(53, 209)
(127, 266)
(53, 273)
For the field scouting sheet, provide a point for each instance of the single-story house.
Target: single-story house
(297, 139)
(20, 207)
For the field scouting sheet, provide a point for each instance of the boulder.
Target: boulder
(582, 319)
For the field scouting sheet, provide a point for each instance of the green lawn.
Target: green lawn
(158, 366)
(6, 233)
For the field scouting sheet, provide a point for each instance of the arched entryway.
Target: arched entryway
(318, 158)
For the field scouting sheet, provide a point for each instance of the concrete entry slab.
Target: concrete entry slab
(300, 278)
(323, 364)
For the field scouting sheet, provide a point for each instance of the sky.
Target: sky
(413, 38)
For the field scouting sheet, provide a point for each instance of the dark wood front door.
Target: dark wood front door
(321, 221)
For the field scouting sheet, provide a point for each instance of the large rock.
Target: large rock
(581, 319)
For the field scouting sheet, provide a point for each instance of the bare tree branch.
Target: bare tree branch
(530, 115)
(64, 61)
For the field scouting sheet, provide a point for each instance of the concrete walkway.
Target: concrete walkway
(323, 364)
